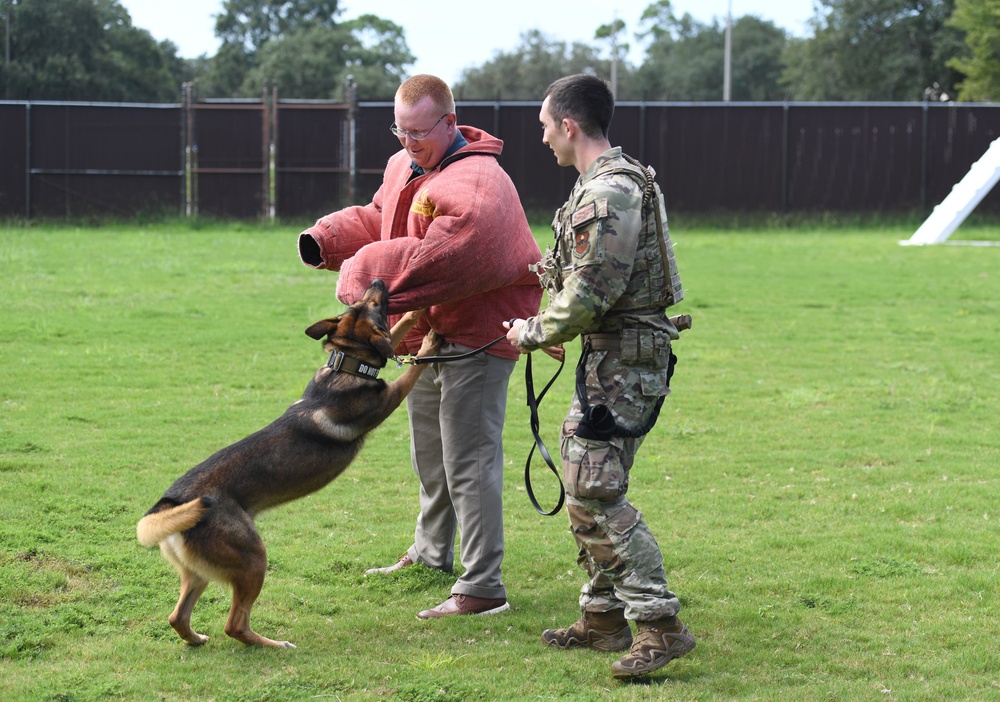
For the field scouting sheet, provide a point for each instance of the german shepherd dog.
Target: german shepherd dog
(204, 524)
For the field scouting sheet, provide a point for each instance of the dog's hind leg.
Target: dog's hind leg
(246, 587)
(192, 586)
(242, 559)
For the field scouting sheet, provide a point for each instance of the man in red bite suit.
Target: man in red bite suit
(445, 232)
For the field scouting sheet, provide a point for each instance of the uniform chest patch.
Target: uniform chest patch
(588, 213)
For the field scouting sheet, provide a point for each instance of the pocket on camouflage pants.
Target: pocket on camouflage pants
(593, 469)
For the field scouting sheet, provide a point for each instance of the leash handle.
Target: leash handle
(533, 403)
(421, 360)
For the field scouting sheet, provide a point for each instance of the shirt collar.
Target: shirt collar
(612, 154)
(460, 141)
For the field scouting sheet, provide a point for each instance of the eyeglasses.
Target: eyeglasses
(417, 135)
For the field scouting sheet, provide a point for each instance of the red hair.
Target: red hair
(423, 85)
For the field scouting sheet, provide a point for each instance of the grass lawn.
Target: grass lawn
(823, 481)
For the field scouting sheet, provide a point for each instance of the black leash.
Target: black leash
(533, 403)
(420, 360)
(607, 425)
(605, 428)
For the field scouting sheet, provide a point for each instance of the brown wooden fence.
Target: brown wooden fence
(301, 159)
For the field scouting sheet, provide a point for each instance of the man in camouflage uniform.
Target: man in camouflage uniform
(610, 277)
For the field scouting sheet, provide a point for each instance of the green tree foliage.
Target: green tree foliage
(222, 75)
(858, 50)
(86, 50)
(684, 61)
(253, 23)
(874, 50)
(685, 58)
(613, 34)
(980, 20)
(299, 46)
(245, 28)
(315, 61)
(376, 57)
(525, 72)
(756, 59)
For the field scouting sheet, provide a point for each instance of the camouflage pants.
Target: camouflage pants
(616, 548)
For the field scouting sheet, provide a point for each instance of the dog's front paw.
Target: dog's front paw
(405, 323)
(431, 344)
(412, 317)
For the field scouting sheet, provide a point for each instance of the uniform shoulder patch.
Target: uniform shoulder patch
(588, 213)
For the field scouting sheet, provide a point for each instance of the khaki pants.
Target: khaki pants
(456, 443)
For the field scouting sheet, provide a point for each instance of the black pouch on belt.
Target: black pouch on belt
(598, 424)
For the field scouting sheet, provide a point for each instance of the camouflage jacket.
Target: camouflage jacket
(607, 267)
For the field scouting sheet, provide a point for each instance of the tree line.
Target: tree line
(894, 50)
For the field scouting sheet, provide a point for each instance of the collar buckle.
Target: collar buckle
(336, 360)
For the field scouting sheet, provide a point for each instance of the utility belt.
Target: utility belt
(598, 422)
(636, 342)
(602, 342)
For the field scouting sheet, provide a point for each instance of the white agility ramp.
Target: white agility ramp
(962, 199)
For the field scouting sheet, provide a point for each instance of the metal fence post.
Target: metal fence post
(785, 108)
(924, 157)
(27, 161)
(352, 140)
(642, 132)
(265, 147)
(190, 159)
(272, 153)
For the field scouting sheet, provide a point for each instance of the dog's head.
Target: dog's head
(362, 330)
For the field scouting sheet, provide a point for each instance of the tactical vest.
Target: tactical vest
(655, 282)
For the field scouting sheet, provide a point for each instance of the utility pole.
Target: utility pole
(614, 56)
(6, 14)
(727, 71)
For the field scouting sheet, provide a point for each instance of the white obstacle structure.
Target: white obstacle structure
(962, 199)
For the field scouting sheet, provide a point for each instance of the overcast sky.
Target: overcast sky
(444, 46)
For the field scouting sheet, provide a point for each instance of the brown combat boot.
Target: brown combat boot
(602, 631)
(656, 644)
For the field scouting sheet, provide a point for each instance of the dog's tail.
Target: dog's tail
(155, 527)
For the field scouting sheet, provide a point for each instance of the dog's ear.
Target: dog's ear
(383, 344)
(320, 329)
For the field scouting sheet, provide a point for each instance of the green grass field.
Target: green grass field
(823, 482)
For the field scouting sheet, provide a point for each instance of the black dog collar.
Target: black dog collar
(342, 363)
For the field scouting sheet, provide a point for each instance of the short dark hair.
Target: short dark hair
(585, 98)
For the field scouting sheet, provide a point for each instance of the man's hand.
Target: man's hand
(513, 328)
(430, 345)
(557, 352)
